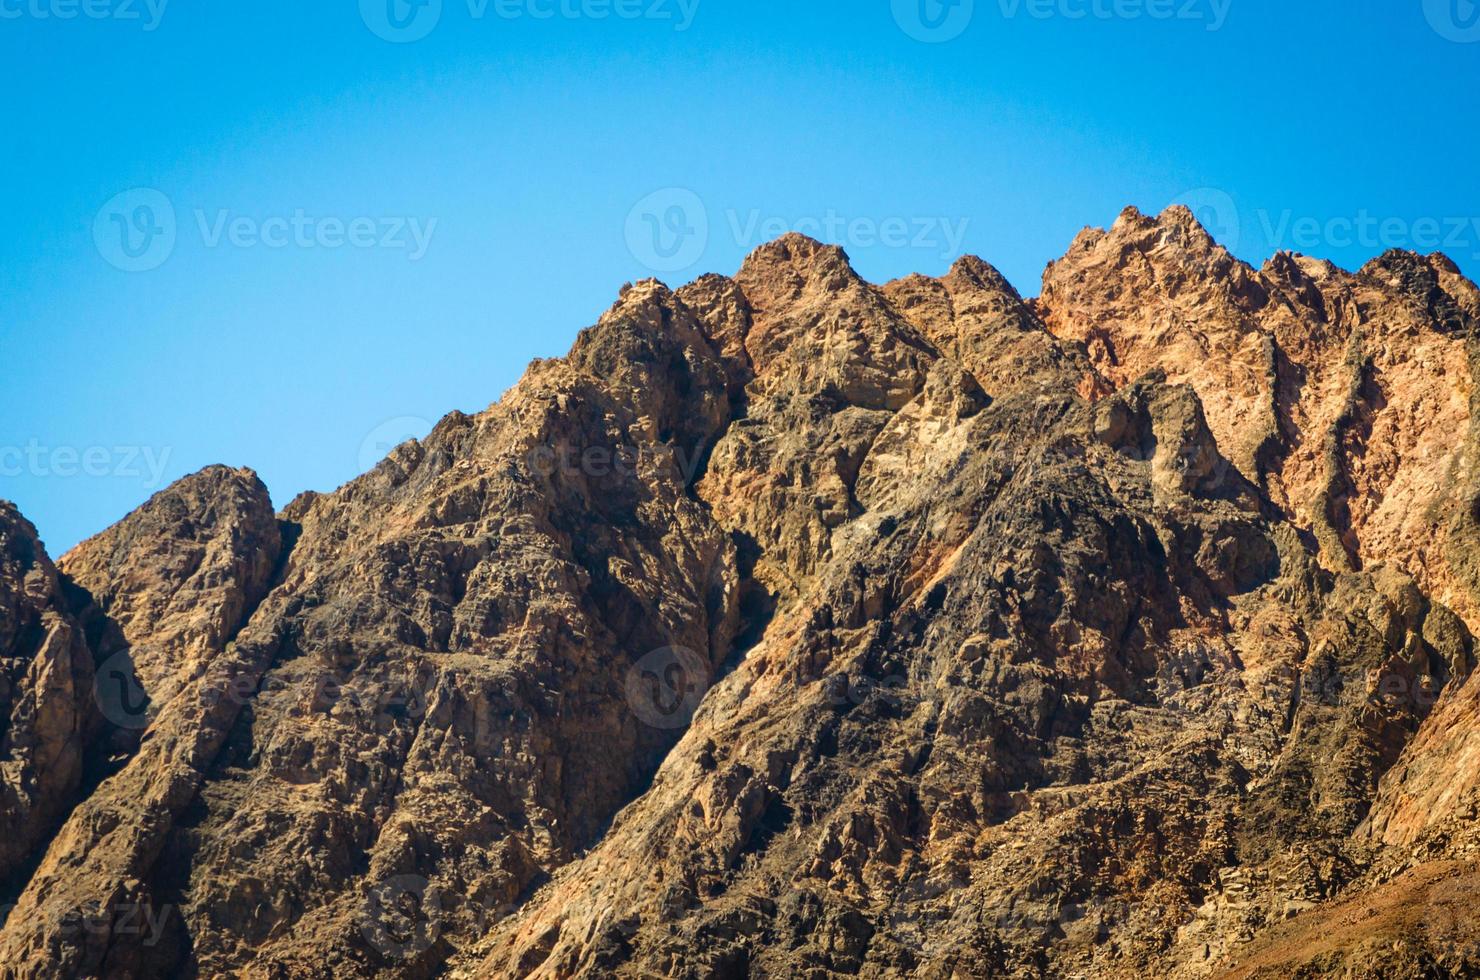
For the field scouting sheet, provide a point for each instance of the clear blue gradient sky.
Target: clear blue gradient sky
(234, 311)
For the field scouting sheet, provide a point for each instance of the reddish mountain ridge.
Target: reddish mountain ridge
(797, 626)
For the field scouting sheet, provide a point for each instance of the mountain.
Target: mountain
(796, 626)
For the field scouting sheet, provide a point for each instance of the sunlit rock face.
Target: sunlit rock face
(793, 625)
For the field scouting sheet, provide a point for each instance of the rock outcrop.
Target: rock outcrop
(162, 595)
(1056, 672)
(1346, 397)
(46, 701)
(792, 625)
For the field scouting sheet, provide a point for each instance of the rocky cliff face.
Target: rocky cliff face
(796, 626)
(45, 696)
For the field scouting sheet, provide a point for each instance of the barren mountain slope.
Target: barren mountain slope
(1347, 396)
(162, 594)
(1067, 692)
(46, 703)
(796, 626)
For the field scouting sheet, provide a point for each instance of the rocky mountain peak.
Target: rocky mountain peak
(793, 625)
(974, 271)
(796, 256)
(46, 708)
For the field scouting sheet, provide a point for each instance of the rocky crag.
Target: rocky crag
(796, 626)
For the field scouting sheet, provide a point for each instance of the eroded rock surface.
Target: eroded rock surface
(1061, 674)
(46, 699)
(1347, 396)
(793, 625)
(162, 594)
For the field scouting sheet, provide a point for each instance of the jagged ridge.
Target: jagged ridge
(1066, 634)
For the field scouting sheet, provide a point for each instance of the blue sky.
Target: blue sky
(266, 235)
